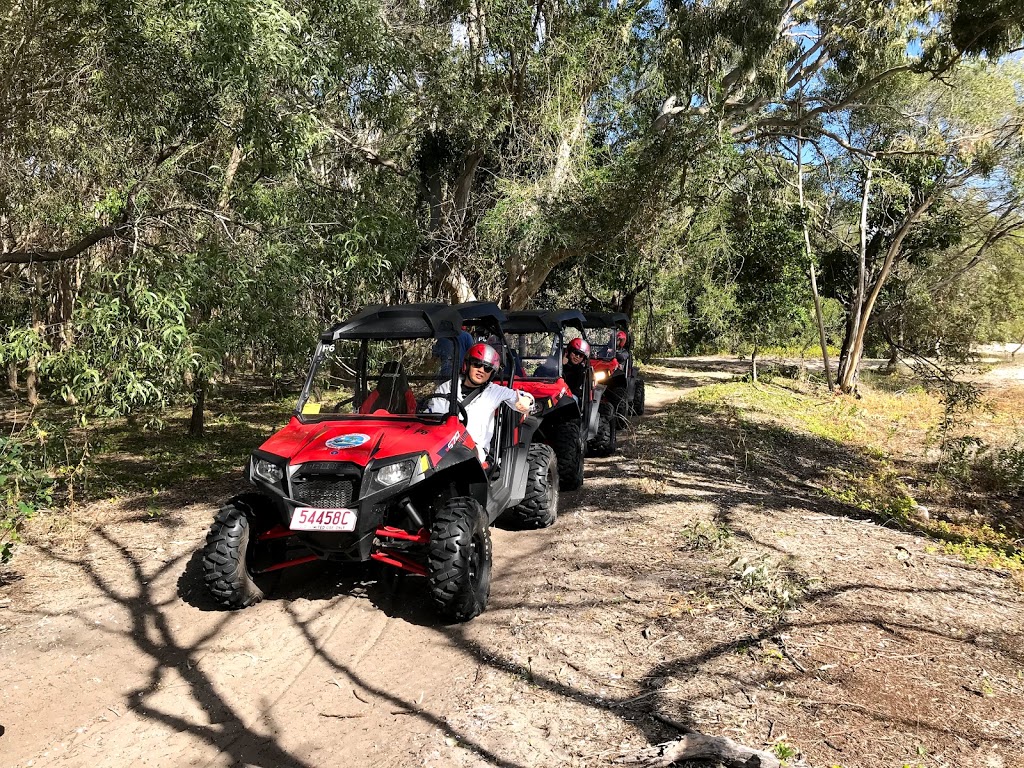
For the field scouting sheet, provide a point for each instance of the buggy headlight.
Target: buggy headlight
(267, 470)
(391, 474)
(600, 375)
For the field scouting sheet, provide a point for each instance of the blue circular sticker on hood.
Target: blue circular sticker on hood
(348, 441)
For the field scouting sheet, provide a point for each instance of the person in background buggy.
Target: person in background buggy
(452, 357)
(479, 395)
(575, 366)
(621, 349)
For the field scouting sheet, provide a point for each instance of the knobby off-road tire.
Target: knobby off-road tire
(228, 556)
(539, 508)
(639, 398)
(565, 439)
(605, 442)
(459, 559)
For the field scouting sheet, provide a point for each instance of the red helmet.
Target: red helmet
(485, 354)
(620, 340)
(579, 344)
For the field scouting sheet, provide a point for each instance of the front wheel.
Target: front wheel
(539, 508)
(605, 442)
(639, 397)
(233, 554)
(459, 559)
(568, 444)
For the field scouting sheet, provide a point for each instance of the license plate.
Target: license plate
(315, 519)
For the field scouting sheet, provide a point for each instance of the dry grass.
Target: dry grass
(879, 454)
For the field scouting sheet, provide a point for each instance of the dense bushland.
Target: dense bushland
(189, 193)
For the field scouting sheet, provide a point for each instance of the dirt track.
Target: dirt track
(114, 655)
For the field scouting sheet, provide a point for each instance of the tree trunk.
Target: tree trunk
(821, 329)
(753, 365)
(807, 251)
(32, 382)
(857, 347)
(12, 377)
(895, 345)
(31, 374)
(196, 424)
(66, 281)
(850, 359)
(525, 276)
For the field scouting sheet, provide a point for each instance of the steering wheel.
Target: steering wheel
(463, 416)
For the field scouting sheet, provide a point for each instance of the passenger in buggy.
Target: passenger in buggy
(575, 367)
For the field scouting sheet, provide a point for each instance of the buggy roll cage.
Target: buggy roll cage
(381, 322)
(617, 320)
(479, 311)
(545, 321)
(487, 315)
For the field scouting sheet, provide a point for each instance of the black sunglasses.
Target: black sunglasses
(486, 366)
(574, 352)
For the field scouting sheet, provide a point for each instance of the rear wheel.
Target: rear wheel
(459, 559)
(539, 508)
(605, 442)
(639, 396)
(233, 555)
(565, 439)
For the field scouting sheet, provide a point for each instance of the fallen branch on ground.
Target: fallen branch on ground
(698, 746)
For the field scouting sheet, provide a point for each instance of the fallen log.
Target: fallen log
(699, 746)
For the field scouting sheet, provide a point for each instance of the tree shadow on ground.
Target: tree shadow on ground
(705, 463)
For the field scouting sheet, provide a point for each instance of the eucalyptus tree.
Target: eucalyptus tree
(862, 84)
(162, 203)
(928, 181)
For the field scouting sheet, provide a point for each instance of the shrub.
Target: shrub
(1002, 470)
(28, 475)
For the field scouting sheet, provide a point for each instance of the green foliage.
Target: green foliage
(1002, 469)
(705, 535)
(27, 480)
(784, 751)
(762, 581)
(881, 493)
(204, 186)
(771, 287)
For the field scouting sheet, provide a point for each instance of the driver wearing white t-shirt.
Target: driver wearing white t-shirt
(484, 397)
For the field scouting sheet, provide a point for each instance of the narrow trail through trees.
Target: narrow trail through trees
(600, 631)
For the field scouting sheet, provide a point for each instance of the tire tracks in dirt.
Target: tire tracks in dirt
(121, 658)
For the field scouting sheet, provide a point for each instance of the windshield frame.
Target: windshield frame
(555, 335)
(320, 354)
(608, 344)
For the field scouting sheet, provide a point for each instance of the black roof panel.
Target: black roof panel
(606, 320)
(408, 321)
(480, 310)
(540, 320)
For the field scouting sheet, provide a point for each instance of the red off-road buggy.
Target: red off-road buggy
(613, 366)
(362, 472)
(568, 423)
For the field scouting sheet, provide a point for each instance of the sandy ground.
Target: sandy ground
(600, 629)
